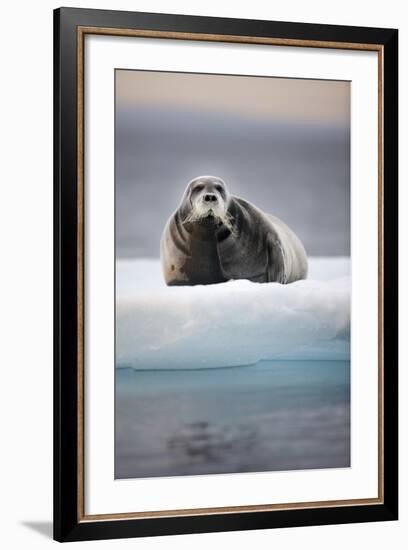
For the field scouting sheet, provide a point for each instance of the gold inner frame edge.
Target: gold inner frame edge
(81, 32)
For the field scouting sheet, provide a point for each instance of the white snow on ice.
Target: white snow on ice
(233, 323)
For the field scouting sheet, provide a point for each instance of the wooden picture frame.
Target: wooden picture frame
(70, 519)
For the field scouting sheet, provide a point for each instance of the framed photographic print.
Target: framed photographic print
(225, 274)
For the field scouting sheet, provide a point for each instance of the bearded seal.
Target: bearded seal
(213, 237)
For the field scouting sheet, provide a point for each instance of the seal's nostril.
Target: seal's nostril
(210, 197)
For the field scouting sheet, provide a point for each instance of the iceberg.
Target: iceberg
(233, 323)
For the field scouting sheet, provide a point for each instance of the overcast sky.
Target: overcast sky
(283, 144)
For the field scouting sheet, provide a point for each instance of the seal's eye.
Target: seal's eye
(218, 188)
(198, 187)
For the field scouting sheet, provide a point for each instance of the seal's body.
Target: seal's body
(214, 236)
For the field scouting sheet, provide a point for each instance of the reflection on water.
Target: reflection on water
(202, 442)
(276, 415)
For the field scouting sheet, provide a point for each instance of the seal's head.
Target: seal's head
(205, 202)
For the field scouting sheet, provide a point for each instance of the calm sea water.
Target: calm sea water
(275, 415)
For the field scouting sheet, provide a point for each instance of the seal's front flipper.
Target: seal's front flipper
(276, 265)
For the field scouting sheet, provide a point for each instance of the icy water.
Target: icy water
(275, 415)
